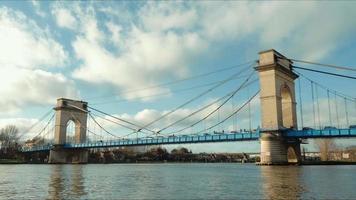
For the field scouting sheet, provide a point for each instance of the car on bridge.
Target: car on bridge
(352, 127)
(329, 128)
(307, 128)
(233, 132)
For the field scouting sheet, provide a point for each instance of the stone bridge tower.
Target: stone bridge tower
(69, 110)
(278, 108)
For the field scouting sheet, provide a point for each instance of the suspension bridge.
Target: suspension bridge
(73, 127)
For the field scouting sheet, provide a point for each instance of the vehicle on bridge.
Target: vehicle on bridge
(330, 128)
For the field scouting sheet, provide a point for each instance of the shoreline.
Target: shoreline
(307, 163)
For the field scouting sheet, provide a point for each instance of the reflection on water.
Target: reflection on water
(176, 181)
(77, 186)
(66, 182)
(282, 182)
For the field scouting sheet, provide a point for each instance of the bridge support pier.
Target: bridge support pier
(276, 150)
(59, 155)
(278, 109)
(69, 110)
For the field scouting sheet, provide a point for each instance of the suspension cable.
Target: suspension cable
(112, 116)
(212, 112)
(346, 113)
(229, 95)
(162, 93)
(337, 112)
(317, 104)
(43, 137)
(326, 88)
(235, 112)
(249, 113)
(324, 72)
(95, 134)
(326, 65)
(312, 90)
(179, 80)
(301, 104)
(109, 120)
(35, 124)
(355, 107)
(45, 126)
(102, 127)
(329, 108)
(194, 98)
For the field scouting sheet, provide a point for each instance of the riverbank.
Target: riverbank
(329, 163)
(12, 161)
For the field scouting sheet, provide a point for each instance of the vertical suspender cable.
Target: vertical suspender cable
(346, 112)
(233, 119)
(301, 104)
(249, 116)
(337, 112)
(330, 123)
(219, 119)
(318, 107)
(355, 108)
(312, 90)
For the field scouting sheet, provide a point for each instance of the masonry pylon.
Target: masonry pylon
(278, 109)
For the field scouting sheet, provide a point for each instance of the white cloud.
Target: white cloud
(25, 44)
(145, 59)
(310, 30)
(160, 16)
(164, 38)
(22, 124)
(36, 5)
(26, 51)
(64, 18)
(22, 87)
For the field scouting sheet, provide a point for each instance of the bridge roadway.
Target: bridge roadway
(204, 138)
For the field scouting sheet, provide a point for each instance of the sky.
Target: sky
(111, 53)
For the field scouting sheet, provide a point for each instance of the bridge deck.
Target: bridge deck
(179, 139)
(323, 133)
(206, 138)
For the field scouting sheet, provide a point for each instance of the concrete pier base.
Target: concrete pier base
(276, 150)
(273, 149)
(59, 155)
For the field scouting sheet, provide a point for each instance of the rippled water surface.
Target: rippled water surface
(176, 181)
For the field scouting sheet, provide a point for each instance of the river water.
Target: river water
(176, 181)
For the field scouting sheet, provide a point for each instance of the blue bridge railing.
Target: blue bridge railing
(323, 133)
(204, 138)
(178, 139)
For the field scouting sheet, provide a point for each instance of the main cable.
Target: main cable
(45, 126)
(113, 122)
(112, 116)
(36, 123)
(194, 98)
(323, 72)
(326, 88)
(102, 126)
(179, 80)
(231, 95)
(232, 114)
(325, 65)
(162, 93)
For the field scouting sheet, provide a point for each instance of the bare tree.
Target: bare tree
(325, 146)
(9, 136)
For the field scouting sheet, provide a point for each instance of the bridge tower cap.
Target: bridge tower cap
(273, 57)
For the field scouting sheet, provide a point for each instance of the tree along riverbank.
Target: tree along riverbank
(153, 155)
